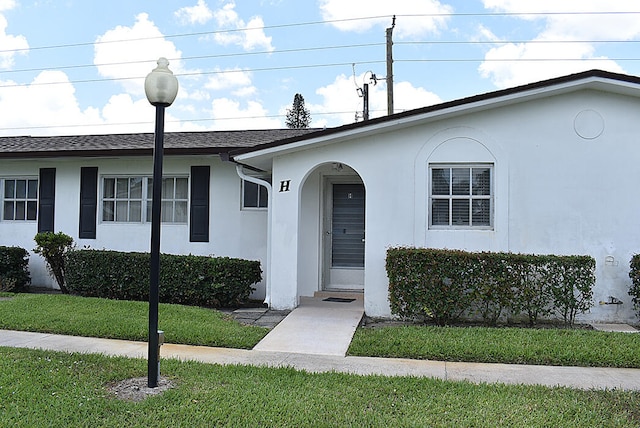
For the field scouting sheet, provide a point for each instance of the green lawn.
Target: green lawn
(93, 317)
(42, 389)
(117, 319)
(564, 347)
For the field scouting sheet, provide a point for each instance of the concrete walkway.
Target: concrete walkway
(573, 377)
(315, 337)
(316, 327)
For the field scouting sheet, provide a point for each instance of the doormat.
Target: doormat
(338, 300)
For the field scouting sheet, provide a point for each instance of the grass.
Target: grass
(566, 347)
(39, 388)
(128, 320)
(117, 319)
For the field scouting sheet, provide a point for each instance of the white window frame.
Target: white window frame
(259, 199)
(173, 200)
(15, 199)
(470, 197)
(145, 200)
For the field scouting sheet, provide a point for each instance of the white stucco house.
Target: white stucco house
(545, 168)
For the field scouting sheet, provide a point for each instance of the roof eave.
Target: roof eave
(594, 79)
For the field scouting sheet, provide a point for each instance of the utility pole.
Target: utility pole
(365, 99)
(390, 66)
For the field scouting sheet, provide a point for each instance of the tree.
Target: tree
(298, 116)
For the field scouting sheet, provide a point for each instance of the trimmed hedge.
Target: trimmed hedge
(187, 280)
(634, 289)
(14, 269)
(448, 285)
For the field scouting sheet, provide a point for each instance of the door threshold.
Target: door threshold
(344, 294)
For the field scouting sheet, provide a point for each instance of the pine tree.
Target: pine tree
(298, 116)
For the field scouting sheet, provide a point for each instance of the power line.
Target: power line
(195, 34)
(200, 73)
(506, 42)
(328, 65)
(321, 48)
(300, 24)
(199, 57)
(214, 119)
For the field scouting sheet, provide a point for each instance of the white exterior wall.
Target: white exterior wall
(555, 192)
(232, 232)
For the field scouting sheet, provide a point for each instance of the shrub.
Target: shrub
(444, 285)
(491, 286)
(53, 247)
(634, 289)
(188, 280)
(532, 295)
(572, 279)
(428, 283)
(14, 269)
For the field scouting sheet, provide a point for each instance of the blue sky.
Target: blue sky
(78, 66)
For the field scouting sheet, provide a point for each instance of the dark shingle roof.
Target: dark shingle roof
(176, 143)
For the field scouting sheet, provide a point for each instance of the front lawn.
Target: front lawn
(118, 319)
(560, 347)
(81, 316)
(43, 388)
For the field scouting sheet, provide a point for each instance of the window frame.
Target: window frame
(452, 196)
(145, 199)
(173, 200)
(15, 199)
(258, 207)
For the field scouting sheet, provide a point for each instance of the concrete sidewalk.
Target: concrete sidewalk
(573, 377)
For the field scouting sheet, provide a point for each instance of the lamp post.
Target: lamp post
(161, 88)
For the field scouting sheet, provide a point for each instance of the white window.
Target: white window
(19, 199)
(128, 199)
(254, 195)
(175, 199)
(461, 196)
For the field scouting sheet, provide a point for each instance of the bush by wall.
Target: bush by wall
(446, 285)
(188, 280)
(14, 269)
(53, 247)
(634, 289)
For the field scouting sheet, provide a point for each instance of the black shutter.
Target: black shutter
(47, 197)
(88, 202)
(199, 222)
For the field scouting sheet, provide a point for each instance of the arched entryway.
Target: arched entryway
(331, 247)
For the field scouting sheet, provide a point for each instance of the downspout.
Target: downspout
(242, 175)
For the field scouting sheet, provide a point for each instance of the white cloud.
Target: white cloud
(43, 107)
(133, 52)
(234, 30)
(7, 4)
(340, 101)
(245, 91)
(428, 15)
(231, 115)
(229, 78)
(11, 45)
(407, 97)
(570, 37)
(198, 14)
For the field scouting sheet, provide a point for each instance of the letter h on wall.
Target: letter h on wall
(284, 185)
